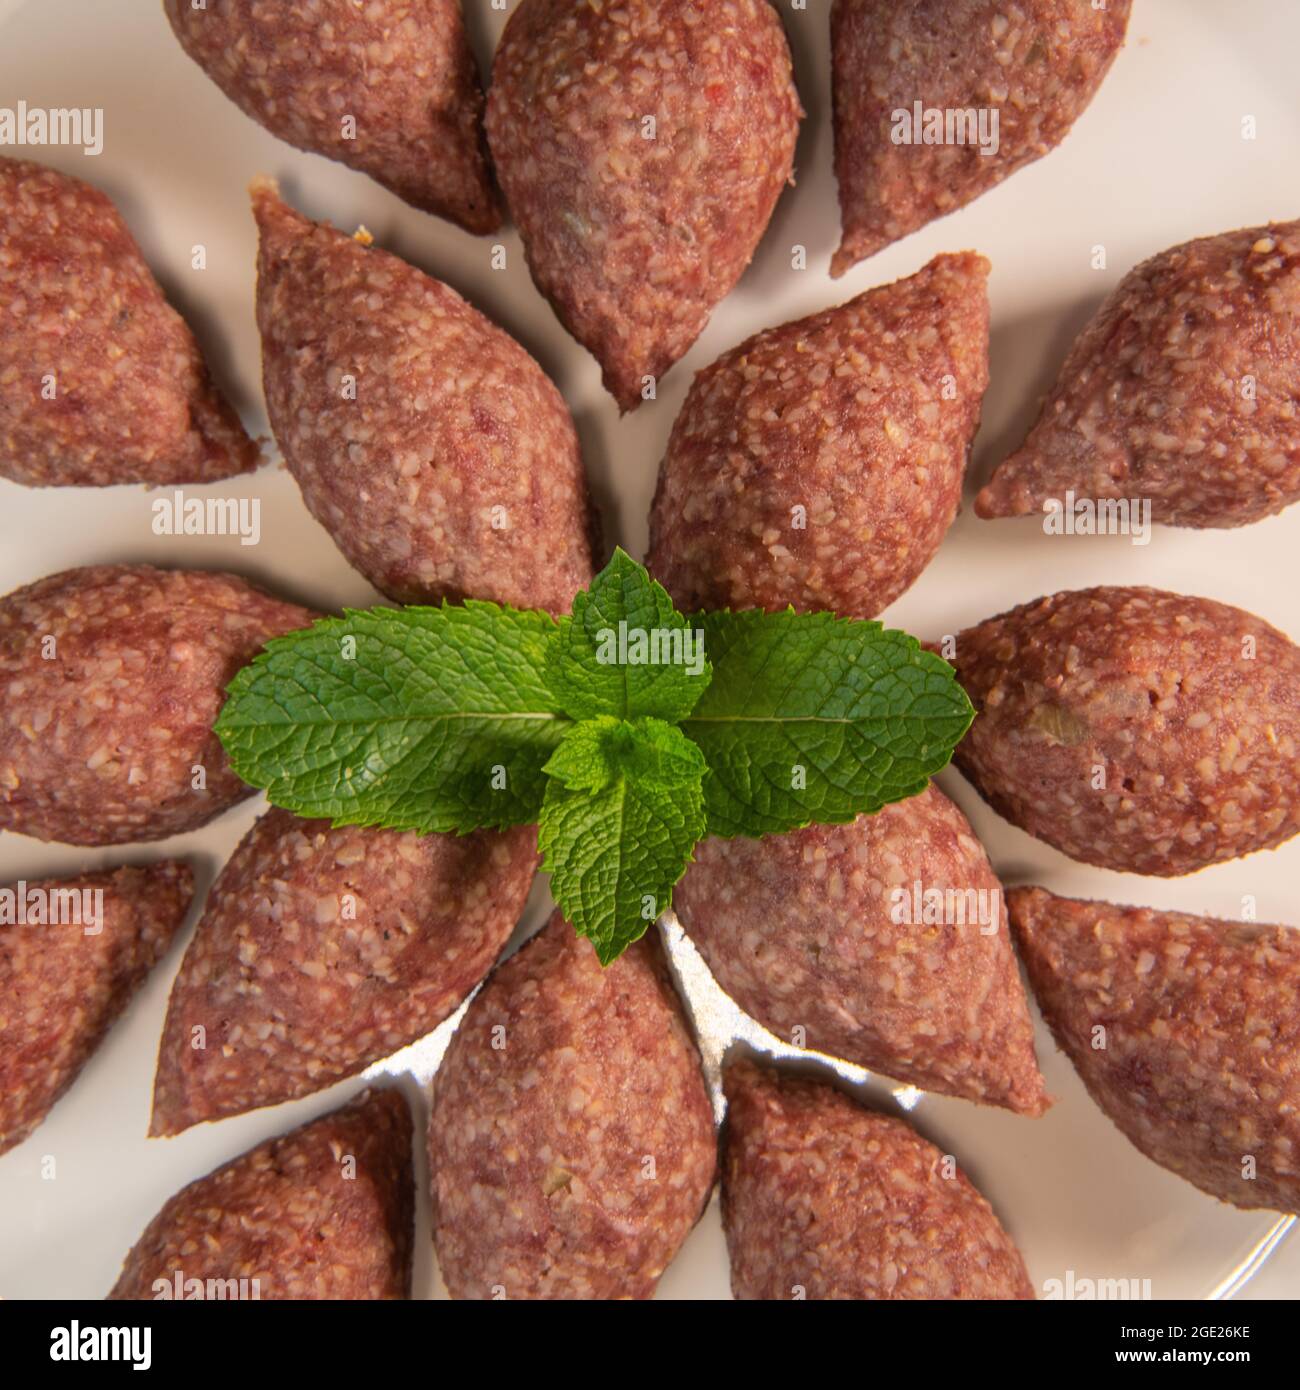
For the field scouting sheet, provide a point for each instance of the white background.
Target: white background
(1157, 159)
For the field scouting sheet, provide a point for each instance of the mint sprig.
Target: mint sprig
(627, 731)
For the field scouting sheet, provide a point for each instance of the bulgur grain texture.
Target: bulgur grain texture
(64, 984)
(388, 87)
(111, 678)
(1135, 729)
(571, 1140)
(641, 147)
(101, 380)
(427, 442)
(823, 1199)
(820, 464)
(1184, 389)
(813, 931)
(1036, 63)
(322, 950)
(324, 1212)
(1185, 1030)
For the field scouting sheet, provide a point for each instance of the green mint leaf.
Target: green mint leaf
(814, 718)
(626, 651)
(429, 719)
(622, 812)
(597, 751)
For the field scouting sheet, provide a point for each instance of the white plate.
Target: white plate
(1158, 158)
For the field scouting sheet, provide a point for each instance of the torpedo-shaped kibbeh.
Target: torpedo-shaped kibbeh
(64, 983)
(324, 1212)
(916, 88)
(820, 464)
(1138, 730)
(322, 950)
(427, 442)
(823, 1199)
(389, 88)
(111, 678)
(571, 1140)
(1185, 1030)
(641, 148)
(101, 380)
(1183, 391)
(883, 942)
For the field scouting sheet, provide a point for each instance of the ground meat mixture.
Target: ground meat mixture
(326, 1212)
(1184, 390)
(828, 937)
(111, 678)
(641, 146)
(1036, 63)
(101, 380)
(1185, 1030)
(571, 1142)
(824, 1199)
(388, 87)
(320, 951)
(1134, 729)
(820, 464)
(64, 983)
(427, 442)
